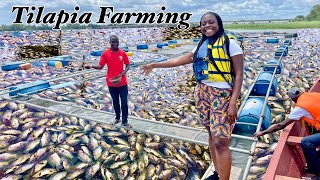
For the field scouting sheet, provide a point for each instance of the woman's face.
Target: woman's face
(209, 25)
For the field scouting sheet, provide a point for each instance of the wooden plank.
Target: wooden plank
(294, 140)
(279, 177)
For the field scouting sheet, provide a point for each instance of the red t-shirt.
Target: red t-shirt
(115, 62)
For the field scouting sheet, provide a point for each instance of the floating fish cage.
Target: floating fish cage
(94, 150)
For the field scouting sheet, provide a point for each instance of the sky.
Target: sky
(229, 10)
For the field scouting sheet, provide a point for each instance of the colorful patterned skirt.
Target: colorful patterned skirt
(212, 105)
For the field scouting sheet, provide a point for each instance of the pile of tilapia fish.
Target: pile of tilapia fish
(41, 145)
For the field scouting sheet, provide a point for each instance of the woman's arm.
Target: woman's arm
(181, 60)
(237, 62)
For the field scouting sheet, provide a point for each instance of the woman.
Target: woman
(219, 80)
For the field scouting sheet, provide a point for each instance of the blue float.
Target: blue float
(33, 87)
(142, 46)
(64, 60)
(64, 57)
(282, 50)
(272, 40)
(125, 48)
(57, 64)
(160, 45)
(287, 42)
(251, 114)
(11, 66)
(292, 35)
(261, 86)
(240, 38)
(96, 53)
(266, 33)
(172, 42)
(196, 39)
(269, 67)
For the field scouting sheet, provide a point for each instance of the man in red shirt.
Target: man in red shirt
(115, 59)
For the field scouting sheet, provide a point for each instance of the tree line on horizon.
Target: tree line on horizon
(314, 15)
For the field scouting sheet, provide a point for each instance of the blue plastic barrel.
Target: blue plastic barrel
(64, 57)
(292, 35)
(142, 46)
(196, 39)
(30, 87)
(272, 40)
(261, 86)
(64, 61)
(55, 63)
(266, 33)
(160, 45)
(125, 48)
(96, 53)
(240, 38)
(287, 42)
(172, 42)
(270, 68)
(251, 114)
(282, 50)
(11, 66)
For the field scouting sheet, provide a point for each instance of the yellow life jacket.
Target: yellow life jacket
(222, 61)
(311, 102)
(231, 37)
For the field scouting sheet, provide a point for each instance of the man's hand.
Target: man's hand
(258, 134)
(88, 66)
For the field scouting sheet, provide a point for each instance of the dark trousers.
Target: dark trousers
(121, 92)
(309, 145)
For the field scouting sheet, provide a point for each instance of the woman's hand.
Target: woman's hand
(232, 113)
(147, 69)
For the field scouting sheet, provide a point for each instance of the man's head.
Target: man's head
(294, 93)
(114, 42)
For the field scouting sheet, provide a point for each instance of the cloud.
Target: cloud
(228, 10)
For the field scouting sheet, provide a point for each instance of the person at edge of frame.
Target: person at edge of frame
(307, 109)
